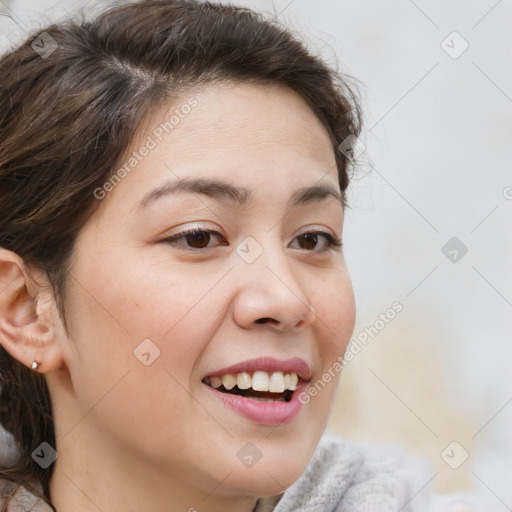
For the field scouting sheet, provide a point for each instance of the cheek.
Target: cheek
(116, 307)
(334, 305)
(335, 309)
(114, 313)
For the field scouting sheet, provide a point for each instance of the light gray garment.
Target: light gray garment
(350, 476)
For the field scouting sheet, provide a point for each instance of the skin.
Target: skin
(133, 437)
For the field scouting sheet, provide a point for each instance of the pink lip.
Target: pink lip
(265, 413)
(268, 364)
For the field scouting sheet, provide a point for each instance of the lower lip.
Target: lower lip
(265, 413)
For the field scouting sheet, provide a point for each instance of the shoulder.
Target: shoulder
(22, 500)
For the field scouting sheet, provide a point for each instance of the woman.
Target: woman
(172, 275)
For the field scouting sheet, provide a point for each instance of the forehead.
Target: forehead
(240, 117)
(255, 136)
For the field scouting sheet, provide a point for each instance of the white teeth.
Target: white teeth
(243, 380)
(229, 381)
(260, 381)
(216, 382)
(294, 380)
(277, 382)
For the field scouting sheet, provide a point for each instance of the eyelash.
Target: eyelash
(332, 242)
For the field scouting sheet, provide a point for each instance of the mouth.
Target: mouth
(258, 396)
(261, 406)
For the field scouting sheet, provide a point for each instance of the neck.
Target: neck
(126, 468)
(89, 476)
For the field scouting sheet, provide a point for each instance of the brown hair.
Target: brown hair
(67, 117)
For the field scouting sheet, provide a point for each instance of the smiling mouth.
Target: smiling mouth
(264, 396)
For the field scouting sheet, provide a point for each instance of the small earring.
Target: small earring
(35, 365)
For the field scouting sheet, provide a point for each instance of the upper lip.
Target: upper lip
(268, 364)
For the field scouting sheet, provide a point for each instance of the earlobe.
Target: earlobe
(27, 325)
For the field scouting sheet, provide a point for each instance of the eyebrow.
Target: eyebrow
(242, 196)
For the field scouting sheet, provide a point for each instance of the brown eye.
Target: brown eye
(196, 238)
(199, 239)
(311, 239)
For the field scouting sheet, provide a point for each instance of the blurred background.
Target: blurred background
(429, 230)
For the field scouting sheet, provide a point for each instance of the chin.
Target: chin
(269, 477)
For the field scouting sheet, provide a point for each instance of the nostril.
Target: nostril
(264, 320)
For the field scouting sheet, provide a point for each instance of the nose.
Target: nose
(271, 291)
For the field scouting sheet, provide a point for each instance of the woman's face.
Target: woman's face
(151, 318)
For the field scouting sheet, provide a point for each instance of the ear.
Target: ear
(30, 328)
